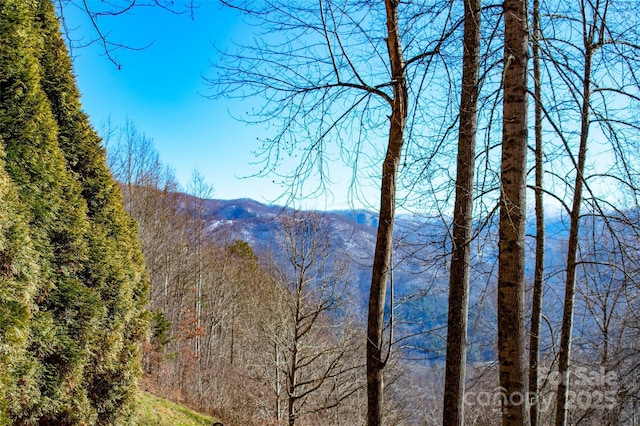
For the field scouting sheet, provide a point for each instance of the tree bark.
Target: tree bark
(384, 237)
(453, 407)
(538, 279)
(511, 289)
(572, 245)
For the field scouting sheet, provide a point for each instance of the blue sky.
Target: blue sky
(162, 91)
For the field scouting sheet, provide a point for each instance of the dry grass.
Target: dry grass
(156, 411)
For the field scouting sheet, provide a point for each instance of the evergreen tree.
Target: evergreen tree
(18, 281)
(115, 266)
(88, 317)
(64, 323)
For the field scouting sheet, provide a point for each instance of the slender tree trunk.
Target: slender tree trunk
(292, 396)
(382, 254)
(511, 289)
(572, 247)
(278, 384)
(538, 279)
(453, 412)
(293, 380)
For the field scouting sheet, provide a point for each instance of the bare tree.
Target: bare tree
(538, 279)
(196, 207)
(99, 13)
(511, 285)
(315, 356)
(384, 239)
(572, 245)
(581, 63)
(453, 410)
(603, 301)
(333, 68)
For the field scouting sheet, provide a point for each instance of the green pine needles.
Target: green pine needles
(73, 290)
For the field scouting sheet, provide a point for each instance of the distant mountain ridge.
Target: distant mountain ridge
(420, 258)
(258, 223)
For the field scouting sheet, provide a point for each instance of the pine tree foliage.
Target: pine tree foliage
(66, 310)
(83, 322)
(18, 281)
(115, 265)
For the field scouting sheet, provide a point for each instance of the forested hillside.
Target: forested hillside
(506, 293)
(485, 115)
(232, 278)
(73, 289)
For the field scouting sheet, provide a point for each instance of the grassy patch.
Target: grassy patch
(156, 411)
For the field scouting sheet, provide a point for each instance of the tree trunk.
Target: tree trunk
(538, 279)
(382, 254)
(572, 246)
(453, 411)
(511, 290)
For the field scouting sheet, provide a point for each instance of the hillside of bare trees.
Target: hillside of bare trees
(497, 282)
(266, 323)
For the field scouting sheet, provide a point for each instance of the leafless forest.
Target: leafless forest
(512, 124)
